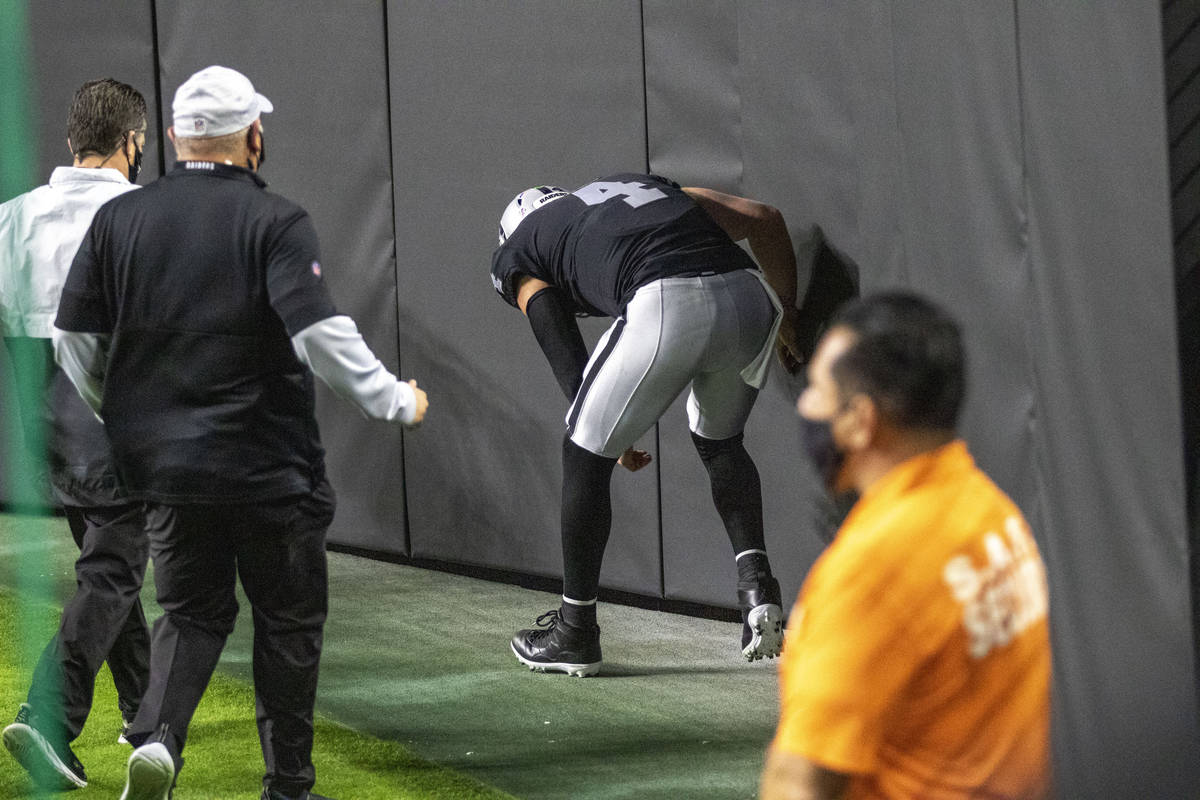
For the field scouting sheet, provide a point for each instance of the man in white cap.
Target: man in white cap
(192, 321)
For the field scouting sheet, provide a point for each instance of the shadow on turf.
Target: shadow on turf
(642, 670)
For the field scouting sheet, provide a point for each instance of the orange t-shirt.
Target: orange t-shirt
(918, 657)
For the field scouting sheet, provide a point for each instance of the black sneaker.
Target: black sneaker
(762, 618)
(150, 773)
(51, 767)
(558, 646)
(271, 794)
(123, 736)
(833, 281)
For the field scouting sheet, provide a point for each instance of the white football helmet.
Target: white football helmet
(527, 201)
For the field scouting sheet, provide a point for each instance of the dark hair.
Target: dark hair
(908, 357)
(102, 111)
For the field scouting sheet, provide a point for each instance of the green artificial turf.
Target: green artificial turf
(223, 756)
(421, 658)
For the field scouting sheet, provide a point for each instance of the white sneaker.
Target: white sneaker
(150, 774)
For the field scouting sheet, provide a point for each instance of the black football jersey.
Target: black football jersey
(201, 278)
(606, 239)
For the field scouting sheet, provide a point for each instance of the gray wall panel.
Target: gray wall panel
(961, 213)
(693, 119)
(797, 62)
(486, 103)
(1110, 439)
(755, 116)
(118, 43)
(693, 91)
(797, 140)
(878, 170)
(327, 149)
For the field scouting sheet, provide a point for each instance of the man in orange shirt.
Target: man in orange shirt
(917, 661)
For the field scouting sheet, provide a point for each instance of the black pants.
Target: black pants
(102, 621)
(277, 548)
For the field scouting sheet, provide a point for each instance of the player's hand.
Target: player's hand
(633, 460)
(422, 403)
(787, 345)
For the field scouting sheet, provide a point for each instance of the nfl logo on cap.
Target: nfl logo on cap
(216, 101)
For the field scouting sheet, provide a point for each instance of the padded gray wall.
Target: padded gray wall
(119, 44)
(485, 103)
(1108, 428)
(1006, 157)
(958, 149)
(323, 67)
(707, 94)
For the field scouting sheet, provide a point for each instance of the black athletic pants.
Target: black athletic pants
(103, 621)
(277, 549)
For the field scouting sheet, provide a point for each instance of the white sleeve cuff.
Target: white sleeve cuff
(83, 358)
(336, 353)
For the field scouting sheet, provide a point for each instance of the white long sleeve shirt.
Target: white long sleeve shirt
(39, 234)
(336, 353)
(332, 348)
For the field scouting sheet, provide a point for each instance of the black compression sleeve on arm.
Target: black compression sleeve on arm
(553, 321)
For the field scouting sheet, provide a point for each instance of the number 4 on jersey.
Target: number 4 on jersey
(635, 194)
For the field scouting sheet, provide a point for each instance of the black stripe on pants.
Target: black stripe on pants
(596, 366)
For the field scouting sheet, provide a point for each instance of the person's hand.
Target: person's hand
(633, 460)
(422, 403)
(787, 345)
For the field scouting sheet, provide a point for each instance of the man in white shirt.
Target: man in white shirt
(39, 234)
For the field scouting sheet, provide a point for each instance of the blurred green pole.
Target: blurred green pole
(18, 156)
(23, 454)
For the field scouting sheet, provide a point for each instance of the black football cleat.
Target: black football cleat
(557, 646)
(51, 766)
(126, 727)
(762, 618)
(271, 794)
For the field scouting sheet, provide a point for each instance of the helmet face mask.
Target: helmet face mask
(525, 203)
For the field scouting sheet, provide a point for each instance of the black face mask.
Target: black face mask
(135, 166)
(262, 151)
(817, 438)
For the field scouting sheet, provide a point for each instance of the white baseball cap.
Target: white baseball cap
(216, 101)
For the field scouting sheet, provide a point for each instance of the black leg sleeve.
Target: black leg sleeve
(586, 518)
(736, 490)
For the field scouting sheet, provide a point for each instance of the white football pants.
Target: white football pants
(713, 332)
